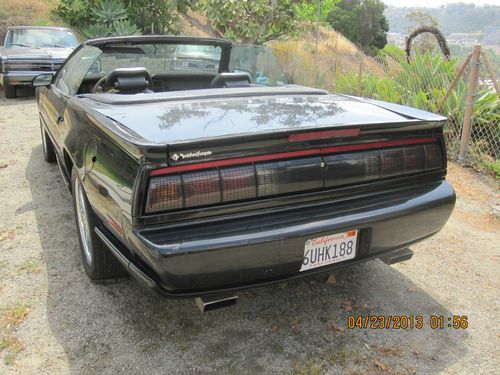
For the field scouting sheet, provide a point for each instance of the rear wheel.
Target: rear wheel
(10, 91)
(99, 263)
(48, 148)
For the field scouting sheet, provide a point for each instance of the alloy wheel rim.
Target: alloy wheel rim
(83, 221)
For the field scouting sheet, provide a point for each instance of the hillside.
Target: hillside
(27, 12)
(452, 18)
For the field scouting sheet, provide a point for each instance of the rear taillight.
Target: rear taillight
(165, 194)
(391, 162)
(346, 169)
(238, 183)
(289, 176)
(222, 184)
(414, 158)
(433, 156)
(201, 188)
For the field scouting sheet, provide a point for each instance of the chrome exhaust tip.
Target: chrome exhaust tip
(215, 302)
(397, 256)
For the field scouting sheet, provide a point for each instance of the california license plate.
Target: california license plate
(335, 248)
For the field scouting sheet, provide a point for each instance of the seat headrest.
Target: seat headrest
(129, 80)
(231, 80)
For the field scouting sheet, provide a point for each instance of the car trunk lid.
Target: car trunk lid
(227, 123)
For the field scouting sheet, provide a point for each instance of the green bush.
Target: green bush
(97, 18)
(423, 84)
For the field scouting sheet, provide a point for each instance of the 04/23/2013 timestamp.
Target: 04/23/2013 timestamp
(438, 322)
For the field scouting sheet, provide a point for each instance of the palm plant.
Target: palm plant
(109, 12)
(97, 30)
(124, 27)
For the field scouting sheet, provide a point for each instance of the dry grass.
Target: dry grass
(335, 56)
(26, 12)
(11, 317)
(14, 315)
(29, 266)
(8, 234)
(13, 347)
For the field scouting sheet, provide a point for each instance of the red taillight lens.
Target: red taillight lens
(201, 188)
(164, 193)
(238, 183)
(214, 183)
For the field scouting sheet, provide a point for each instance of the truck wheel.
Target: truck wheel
(99, 263)
(10, 91)
(48, 148)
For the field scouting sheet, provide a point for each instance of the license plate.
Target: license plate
(335, 248)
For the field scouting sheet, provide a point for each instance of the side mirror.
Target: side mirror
(42, 80)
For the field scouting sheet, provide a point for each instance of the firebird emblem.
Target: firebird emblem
(190, 155)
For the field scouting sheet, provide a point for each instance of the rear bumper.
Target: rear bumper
(226, 255)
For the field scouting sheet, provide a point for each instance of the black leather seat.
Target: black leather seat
(230, 80)
(129, 80)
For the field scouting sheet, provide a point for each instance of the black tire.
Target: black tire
(10, 91)
(99, 263)
(48, 148)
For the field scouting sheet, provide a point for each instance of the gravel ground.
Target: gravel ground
(54, 320)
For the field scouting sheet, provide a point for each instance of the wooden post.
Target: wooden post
(453, 83)
(491, 71)
(360, 74)
(469, 103)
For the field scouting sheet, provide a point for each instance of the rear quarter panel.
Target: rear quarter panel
(107, 169)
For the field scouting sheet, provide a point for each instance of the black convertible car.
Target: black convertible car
(200, 182)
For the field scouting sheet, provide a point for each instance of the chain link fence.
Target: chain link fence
(428, 82)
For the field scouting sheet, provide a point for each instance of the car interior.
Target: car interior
(139, 80)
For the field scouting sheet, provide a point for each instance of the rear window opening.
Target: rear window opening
(179, 67)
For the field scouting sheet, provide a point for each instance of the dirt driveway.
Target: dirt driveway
(54, 320)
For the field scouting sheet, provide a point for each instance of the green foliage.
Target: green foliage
(98, 18)
(97, 30)
(423, 84)
(251, 22)
(76, 12)
(344, 21)
(155, 16)
(109, 12)
(494, 166)
(394, 52)
(308, 10)
(124, 27)
(361, 21)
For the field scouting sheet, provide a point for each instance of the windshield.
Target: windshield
(41, 38)
(260, 62)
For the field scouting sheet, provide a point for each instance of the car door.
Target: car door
(64, 86)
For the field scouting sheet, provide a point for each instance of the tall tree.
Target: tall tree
(419, 19)
(244, 21)
(154, 16)
(361, 21)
